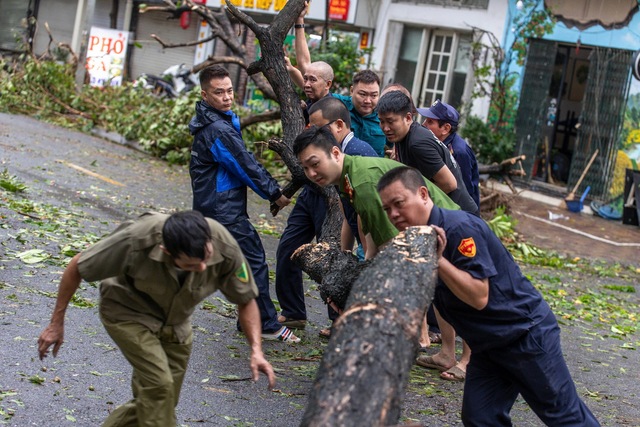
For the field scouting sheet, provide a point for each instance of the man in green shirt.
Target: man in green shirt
(357, 177)
(155, 270)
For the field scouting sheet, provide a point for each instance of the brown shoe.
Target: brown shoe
(292, 323)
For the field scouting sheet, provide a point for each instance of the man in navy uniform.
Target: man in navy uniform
(513, 334)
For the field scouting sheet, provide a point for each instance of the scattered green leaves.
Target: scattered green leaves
(11, 183)
(37, 379)
(33, 256)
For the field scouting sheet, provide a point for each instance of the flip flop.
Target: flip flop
(325, 333)
(453, 374)
(428, 362)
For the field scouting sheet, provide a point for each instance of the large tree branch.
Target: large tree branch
(167, 45)
(365, 367)
(262, 117)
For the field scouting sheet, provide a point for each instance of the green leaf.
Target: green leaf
(32, 256)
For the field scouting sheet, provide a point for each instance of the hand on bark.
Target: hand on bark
(391, 153)
(334, 306)
(52, 335)
(283, 201)
(260, 364)
(442, 241)
(304, 13)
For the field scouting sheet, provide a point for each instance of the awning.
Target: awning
(582, 14)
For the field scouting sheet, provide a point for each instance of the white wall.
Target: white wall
(492, 19)
(60, 16)
(151, 58)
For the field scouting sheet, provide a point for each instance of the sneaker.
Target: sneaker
(284, 334)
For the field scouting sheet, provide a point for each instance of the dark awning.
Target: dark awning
(583, 14)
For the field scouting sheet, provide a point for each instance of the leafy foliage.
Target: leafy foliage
(491, 65)
(46, 90)
(490, 146)
(11, 183)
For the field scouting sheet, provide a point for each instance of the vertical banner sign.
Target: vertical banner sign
(338, 10)
(203, 50)
(364, 40)
(106, 54)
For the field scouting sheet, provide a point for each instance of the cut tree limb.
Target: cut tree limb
(502, 167)
(365, 368)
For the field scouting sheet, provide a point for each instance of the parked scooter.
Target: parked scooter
(174, 81)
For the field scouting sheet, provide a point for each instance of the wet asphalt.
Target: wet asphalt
(80, 187)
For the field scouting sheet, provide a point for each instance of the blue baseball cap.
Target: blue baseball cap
(441, 111)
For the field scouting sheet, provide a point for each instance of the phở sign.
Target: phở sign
(106, 53)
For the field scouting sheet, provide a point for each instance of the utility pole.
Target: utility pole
(84, 16)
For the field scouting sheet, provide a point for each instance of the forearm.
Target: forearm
(346, 236)
(296, 76)
(371, 249)
(303, 57)
(68, 286)
(472, 291)
(445, 180)
(250, 322)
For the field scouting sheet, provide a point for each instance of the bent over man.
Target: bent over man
(155, 271)
(513, 335)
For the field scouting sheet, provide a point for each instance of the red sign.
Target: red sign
(339, 10)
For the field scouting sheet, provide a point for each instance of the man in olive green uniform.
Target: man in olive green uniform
(357, 177)
(155, 271)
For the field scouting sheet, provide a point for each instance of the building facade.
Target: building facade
(573, 94)
(426, 46)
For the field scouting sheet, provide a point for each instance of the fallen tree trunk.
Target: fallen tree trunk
(365, 368)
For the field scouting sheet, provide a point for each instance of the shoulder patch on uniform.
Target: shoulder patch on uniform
(242, 274)
(348, 188)
(467, 247)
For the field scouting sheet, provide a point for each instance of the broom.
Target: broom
(572, 195)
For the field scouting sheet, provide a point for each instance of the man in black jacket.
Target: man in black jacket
(221, 169)
(417, 146)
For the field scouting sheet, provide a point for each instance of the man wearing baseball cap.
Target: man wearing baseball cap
(442, 119)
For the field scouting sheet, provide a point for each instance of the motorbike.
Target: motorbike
(173, 82)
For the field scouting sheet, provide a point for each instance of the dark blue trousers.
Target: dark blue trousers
(532, 366)
(304, 223)
(251, 245)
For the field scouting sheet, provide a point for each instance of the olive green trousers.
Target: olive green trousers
(159, 363)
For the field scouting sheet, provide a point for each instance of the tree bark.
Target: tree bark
(325, 262)
(365, 368)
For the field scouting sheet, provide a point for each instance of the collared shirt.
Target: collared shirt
(345, 141)
(366, 128)
(514, 305)
(358, 184)
(140, 282)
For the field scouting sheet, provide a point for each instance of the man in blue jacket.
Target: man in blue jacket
(221, 169)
